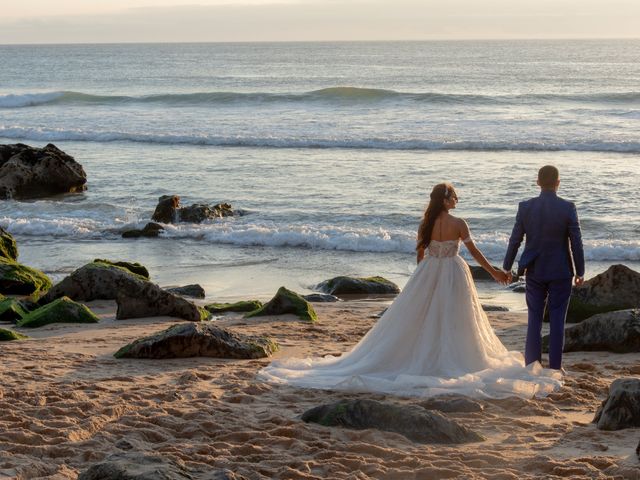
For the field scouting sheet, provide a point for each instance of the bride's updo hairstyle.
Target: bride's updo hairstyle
(440, 193)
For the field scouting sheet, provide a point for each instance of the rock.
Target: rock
(134, 267)
(452, 404)
(320, 298)
(358, 286)
(96, 281)
(29, 172)
(193, 290)
(415, 423)
(62, 310)
(242, 306)
(149, 300)
(8, 247)
(494, 308)
(18, 279)
(150, 230)
(286, 301)
(11, 310)
(10, 335)
(518, 287)
(198, 340)
(617, 288)
(617, 332)
(169, 210)
(621, 409)
(135, 466)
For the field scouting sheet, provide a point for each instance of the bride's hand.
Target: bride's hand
(500, 277)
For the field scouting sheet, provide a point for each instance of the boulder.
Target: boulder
(414, 422)
(617, 288)
(198, 340)
(98, 280)
(242, 306)
(62, 310)
(358, 286)
(621, 409)
(494, 308)
(133, 267)
(286, 301)
(10, 335)
(8, 247)
(452, 404)
(29, 172)
(11, 310)
(18, 279)
(147, 299)
(617, 332)
(320, 298)
(169, 210)
(150, 230)
(194, 291)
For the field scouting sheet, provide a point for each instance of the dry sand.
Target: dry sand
(65, 403)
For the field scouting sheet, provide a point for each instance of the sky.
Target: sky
(112, 21)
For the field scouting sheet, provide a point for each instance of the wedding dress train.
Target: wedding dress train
(434, 339)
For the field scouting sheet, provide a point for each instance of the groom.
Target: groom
(550, 225)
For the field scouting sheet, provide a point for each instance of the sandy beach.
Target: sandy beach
(66, 403)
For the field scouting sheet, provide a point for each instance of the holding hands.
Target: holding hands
(501, 277)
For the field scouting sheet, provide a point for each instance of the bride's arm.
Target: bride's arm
(498, 275)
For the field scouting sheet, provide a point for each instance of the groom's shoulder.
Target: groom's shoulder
(567, 203)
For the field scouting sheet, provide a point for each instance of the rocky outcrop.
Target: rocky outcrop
(198, 340)
(284, 302)
(452, 404)
(194, 291)
(11, 310)
(150, 230)
(8, 247)
(10, 335)
(320, 298)
(140, 466)
(242, 306)
(147, 299)
(29, 172)
(617, 332)
(18, 279)
(621, 409)
(414, 422)
(169, 210)
(618, 288)
(358, 286)
(62, 310)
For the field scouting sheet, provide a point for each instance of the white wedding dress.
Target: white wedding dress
(434, 339)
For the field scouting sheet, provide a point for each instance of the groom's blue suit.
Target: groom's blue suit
(550, 225)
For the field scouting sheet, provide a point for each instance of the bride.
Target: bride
(435, 338)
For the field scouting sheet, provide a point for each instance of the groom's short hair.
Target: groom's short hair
(548, 176)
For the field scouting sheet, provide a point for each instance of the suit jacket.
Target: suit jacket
(550, 225)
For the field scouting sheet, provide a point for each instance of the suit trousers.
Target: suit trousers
(556, 294)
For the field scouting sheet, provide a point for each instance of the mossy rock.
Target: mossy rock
(10, 335)
(11, 310)
(286, 301)
(134, 267)
(579, 311)
(8, 247)
(242, 306)
(62, 310)
(18, 279)
(358, 286)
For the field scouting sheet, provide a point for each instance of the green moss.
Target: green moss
(242, 306)
(10, 335)
(268, 346)
(11, 310)
(286, 301)
(62, 310)
(204, 314)
(19, 279)
(8, 247)
(133, 267)
(332, 417)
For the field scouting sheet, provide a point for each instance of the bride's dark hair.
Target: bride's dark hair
(440, 193)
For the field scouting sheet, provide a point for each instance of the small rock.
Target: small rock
(150, 230)
(149, 300)
(518, 287)
(494, 308)
(8, 247)
(10, 335)
(11, 310)
(241, 306)
(358, 286)
(169, 210)
(194, 291)
(452, 404)
(198, 340)
(320, 298)
(18, 279)
(621, 409)
(286, 301)
(415, 423)
(62, 310)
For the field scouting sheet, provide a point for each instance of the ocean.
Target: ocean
(331, 149)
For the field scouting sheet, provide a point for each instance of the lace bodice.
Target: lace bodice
(444, 248)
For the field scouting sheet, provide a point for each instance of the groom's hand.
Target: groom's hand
(578, 281)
